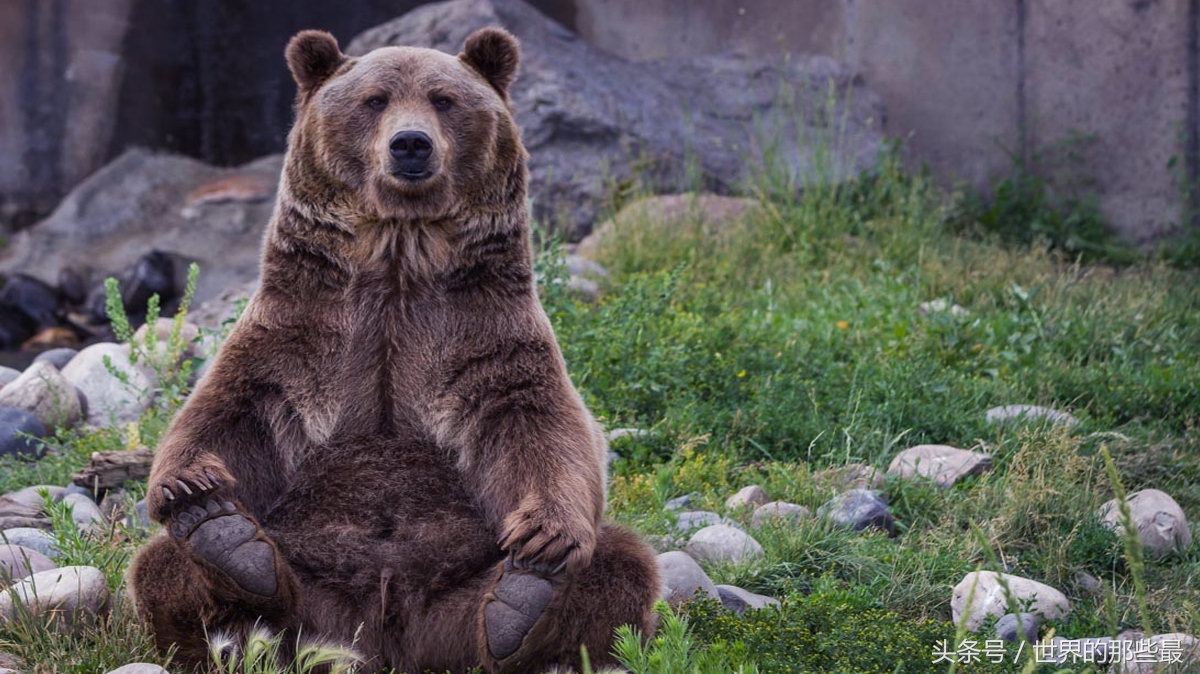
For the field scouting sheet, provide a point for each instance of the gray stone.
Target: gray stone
(34, 539)
(943, 464)
(32, 496)
(144, 201)
(631, 433)
(43, 392)
(1011, 626)
(57, 357)
(747, 497)
(591, 120)
(139, 668)
(8, 375)
(859, 509)
(1167, 648)
(20, 432)
(1029, 414)
(1161, 525)
(681, 502)
(1088, 583)
(85, 512)
(690, 520)
(110, 400)
(777, 512)
(72, 597)
(851, 476)
(737, 600)
(14, 513)
(980, 594)
(723, 543)
(682, 578)
(189, 335)
(17, 562)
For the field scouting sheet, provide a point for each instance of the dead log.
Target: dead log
(108, 470)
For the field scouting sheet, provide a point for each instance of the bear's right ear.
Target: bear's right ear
(312, 56)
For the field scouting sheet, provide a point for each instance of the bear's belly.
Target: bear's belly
(361, 512)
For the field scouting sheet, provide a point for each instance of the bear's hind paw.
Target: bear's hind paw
(519, 601)
(218, 533)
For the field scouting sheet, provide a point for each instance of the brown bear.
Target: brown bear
(387, 452)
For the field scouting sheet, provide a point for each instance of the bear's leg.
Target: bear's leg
(530, 621)
(214, 572)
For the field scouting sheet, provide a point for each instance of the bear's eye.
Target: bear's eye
(442, 103)
(376, 103)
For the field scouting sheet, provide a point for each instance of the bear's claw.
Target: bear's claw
(217, 532)
(520, 599)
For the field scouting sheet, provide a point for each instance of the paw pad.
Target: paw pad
(521, 598)
(220, 534)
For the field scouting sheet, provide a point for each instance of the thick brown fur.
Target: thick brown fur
(392, 409)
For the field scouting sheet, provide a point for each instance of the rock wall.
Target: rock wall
(968, 84)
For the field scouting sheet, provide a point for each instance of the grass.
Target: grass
(794, 342)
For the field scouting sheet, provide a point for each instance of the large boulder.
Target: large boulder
(1161, 525)
(144, 201)
(592, 121)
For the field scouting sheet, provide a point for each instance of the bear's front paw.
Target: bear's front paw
(181, 489)
(547, 538)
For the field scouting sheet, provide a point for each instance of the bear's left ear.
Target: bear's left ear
(312, 56)
(495, 54)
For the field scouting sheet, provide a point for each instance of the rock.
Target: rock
(110, 400)
(681, 502)
(43, 392)
(8, 375)
(851, 476)
(1011, 626)
(591, 120)
(989, 598)
(34, 539)
(139, 668)
(723, 543)
(682, 578)
(689, 520)
(136, 516)
(1029, 414)
(1161, 525)
(622, 433)
(669, 215)
(56, 357)
(19, 431)
(737, 600)
(189, 335)
(32, 496)
(73, 596)
(778, 512)
(1088, 583)
(18, 562)
(16, 514)
(27, 305)
(220, 311)
(85, 512)
(859, 509)
(748, 497)
(943, 464)
(1154, 654)
(137, 204)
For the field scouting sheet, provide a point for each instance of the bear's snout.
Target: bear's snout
(410, 152)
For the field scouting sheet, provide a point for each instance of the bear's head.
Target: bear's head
(404, 133)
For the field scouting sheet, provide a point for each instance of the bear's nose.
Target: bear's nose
(407, 146)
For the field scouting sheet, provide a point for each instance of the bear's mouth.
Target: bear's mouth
(412, 176)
